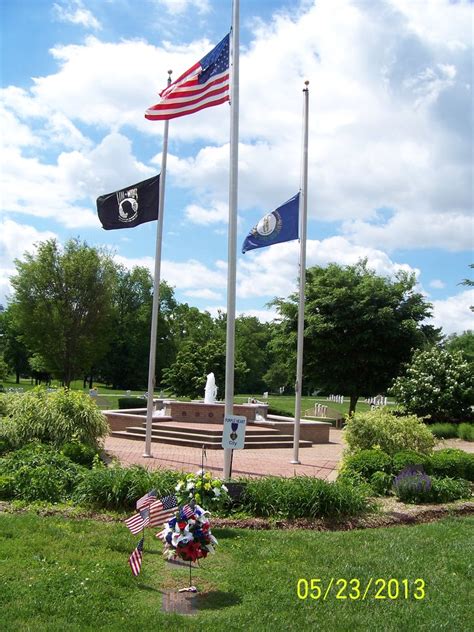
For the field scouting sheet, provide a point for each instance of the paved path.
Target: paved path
(320, 460)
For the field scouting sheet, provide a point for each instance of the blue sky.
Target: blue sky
(390, 143)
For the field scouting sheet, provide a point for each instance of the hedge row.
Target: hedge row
(40, 472)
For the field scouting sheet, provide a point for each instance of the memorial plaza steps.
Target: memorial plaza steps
(197, 424)
(208, 435)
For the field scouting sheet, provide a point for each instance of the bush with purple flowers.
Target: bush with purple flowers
(412, 485)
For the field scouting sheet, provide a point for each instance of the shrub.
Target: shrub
(437, 384)
(37, 472)
(407, 458)
(131, 402)
(381, 483)
(466, 432)
(444, 431)
(304, 497)
(380, 428)
(444, 490)
(56, 418)
(453, 463)
(412, 486)
(79, 453)
(120, 488)
(203, 488)
(366, 462)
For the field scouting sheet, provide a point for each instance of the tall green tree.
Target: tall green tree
(125, 365)
(462, 342)
(62, 305)
(251, 348)
(15, 352)
(360, 328)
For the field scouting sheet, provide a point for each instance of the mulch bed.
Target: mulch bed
(390, 513)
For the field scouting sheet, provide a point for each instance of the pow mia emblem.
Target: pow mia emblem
(269, 226)
(127, 205)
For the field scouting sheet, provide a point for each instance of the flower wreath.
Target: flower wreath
(188, 535)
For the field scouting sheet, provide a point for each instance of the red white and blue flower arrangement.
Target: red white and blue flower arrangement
(188, 535)
(187, 532)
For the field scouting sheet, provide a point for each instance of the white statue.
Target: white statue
(210, 391)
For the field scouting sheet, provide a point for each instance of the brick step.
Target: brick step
(213, 437)
(187, 440)
(206, 432)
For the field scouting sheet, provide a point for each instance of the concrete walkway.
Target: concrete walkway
(320, 460)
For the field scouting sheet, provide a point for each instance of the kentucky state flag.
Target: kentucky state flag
(278, 226)
(131, 206)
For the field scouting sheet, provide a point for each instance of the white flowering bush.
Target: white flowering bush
(203, 489)
(437, 384)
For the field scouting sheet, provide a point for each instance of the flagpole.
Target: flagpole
(302, 280)
(156, 291)
(232, 235)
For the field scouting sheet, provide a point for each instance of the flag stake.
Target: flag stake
(232, 236)
(156, 291)
(302, 279)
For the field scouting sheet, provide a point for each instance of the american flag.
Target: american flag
(205, 84)
(135, 559)
(139, 521)
(187, 511)
(162, 510)
(146, 500)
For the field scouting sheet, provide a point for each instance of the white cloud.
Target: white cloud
(453, 314)
(190, 275)
(66, 191)
(74, 12)
(205, 293)
(15, 240)
(404, 230)
(178, 7)
(273, 271)
(199, 215)
(437, 284)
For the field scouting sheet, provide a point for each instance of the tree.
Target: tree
(462, 342)
(15, 353)
(126, 363)
(62, 305)
(359, 328)
(251, 342)
(436, 384)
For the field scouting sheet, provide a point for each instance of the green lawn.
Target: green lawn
(284, 403)
(58, 574)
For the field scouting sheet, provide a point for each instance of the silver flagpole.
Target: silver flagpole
(156, 291)
(302, 279)
(232, 243)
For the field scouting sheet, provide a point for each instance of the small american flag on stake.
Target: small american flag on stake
(187, 511)
(205, 84)
(139, 521)
(135, 559)
(146, 500)
(162, 510)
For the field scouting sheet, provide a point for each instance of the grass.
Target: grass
(60, 574)
(284, 403)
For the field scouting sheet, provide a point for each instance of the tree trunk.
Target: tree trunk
(353, 404)
(17, 380)
(91, 380)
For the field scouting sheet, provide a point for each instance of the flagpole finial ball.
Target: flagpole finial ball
(306, 83)
(170, 72)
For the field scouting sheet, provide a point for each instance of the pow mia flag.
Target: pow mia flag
(131, 206)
